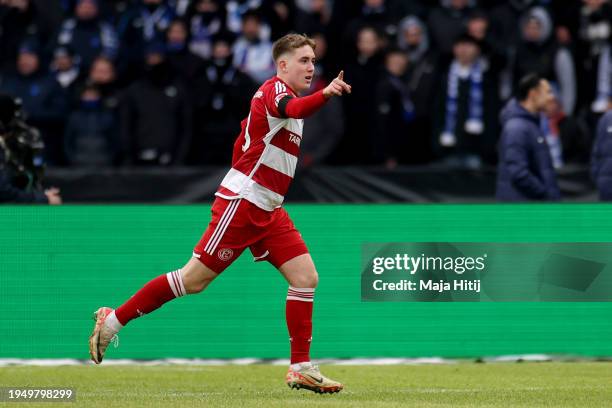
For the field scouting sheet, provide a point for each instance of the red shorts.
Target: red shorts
(238, 224)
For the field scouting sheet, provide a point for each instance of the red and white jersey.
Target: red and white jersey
(266, 151)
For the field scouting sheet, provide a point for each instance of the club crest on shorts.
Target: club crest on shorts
(225, 254)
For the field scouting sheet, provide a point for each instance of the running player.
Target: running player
(247, 213)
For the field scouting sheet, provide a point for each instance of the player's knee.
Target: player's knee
(196, 276)
(195, 286)
(314, 280)
(309, 280)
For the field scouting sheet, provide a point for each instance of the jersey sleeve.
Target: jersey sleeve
(273, 93)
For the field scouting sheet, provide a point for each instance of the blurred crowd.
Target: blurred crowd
(167, 82)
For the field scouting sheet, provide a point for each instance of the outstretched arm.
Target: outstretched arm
(298, 108)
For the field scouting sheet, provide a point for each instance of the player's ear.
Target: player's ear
(282, 65)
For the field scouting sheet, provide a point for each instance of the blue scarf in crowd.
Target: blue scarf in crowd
(474, 123)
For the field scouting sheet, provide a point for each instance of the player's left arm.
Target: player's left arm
(298, 108)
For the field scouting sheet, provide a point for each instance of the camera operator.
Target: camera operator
(21, 165)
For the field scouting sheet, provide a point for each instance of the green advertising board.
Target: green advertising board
(58, 264)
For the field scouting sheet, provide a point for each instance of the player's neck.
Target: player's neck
(283, 78)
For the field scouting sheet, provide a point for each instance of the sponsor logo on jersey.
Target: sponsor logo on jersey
(225, 254)
(258, 94)
(295, 139)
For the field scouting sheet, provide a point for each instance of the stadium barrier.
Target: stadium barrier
(354, 184)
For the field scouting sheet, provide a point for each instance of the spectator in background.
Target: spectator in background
(525, 171)
(252, 53)
(206, 18)
(412, 38)
(593, 55)
(237, 9)
(184, 63)
(505, 32)
(422, 79)
(91, 137)
(312, 16)
(601, 156)
(567, 138)
(280, 15)
(505, 27)
(324, 130)
(155, 115)
(143, 23)
(539, 52)
(87, 34)
(64, 67)
(44, 101)
(395, 111)
(20, 21)
(375, 14)
(222, 97)
(466, 107)
(363, 73)
(478, 27)
(446, 22)
(104, 77)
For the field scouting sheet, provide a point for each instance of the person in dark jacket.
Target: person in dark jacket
(364, 72)
(91, 132)
(184, 62)
(525, 171)
(156, 115)
(87, 34)
(142, 23)
(25, 20)
(539, 52)
(395, 110)
(222, 95)
(205, 19)
(601, 157)
(446, 22)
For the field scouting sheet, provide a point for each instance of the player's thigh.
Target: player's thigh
(284, 247)
(300, 272)
(197, 276)
(226, 237)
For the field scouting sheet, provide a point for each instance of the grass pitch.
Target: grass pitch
(453, 385)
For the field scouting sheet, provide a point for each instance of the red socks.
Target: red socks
(299, 322)
(152, 295)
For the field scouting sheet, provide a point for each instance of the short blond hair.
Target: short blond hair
(290, 42)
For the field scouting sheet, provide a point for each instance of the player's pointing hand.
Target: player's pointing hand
(337, 87)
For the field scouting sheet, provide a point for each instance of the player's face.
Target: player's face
(300, 68)
(544, 95)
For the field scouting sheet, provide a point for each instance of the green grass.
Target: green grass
(453, 385)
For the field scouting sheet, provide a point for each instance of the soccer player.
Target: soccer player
(247, 213)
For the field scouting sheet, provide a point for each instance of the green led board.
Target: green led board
(58, 264)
